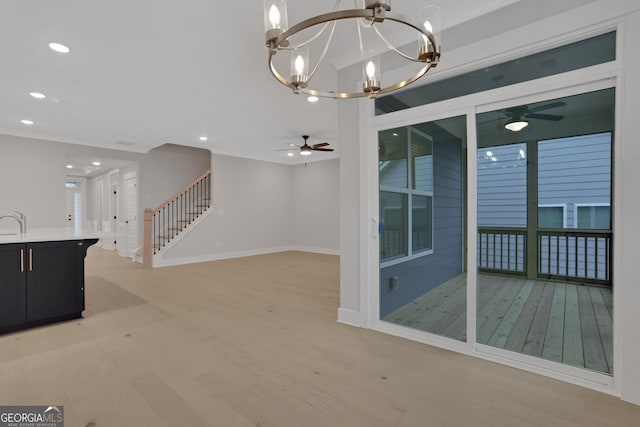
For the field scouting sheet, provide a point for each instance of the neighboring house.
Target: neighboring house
(574, 183)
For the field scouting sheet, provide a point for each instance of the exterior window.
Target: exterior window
(593, 216)
(406, 193)
(552, 216)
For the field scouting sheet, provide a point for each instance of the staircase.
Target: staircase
(164, 223)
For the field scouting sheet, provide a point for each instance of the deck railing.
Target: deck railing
(502, 250)
(570, 255)
(165, 222)
(575, 255)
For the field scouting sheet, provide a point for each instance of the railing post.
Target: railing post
(147, 242)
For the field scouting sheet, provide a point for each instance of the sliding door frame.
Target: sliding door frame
(590, 79)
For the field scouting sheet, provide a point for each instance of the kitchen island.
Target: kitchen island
(42, 276)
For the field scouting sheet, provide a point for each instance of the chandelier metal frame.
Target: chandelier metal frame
(374, 12)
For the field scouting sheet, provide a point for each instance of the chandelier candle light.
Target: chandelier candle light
(372, 14)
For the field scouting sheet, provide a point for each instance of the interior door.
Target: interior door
(74, 205)
(131, 213)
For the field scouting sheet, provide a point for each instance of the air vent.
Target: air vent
(127, 143)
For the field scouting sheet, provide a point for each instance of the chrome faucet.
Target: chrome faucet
(20, 217)
(23, 218)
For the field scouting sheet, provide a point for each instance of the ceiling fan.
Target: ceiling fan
(306, 149)
(518, 116)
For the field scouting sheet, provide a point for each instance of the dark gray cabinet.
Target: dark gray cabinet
(41, 282)
(13, 278)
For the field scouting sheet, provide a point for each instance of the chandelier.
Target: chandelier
(372, 14)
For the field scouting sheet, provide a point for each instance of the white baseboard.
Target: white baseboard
(161, 262)
(315, 250)
(350, 317)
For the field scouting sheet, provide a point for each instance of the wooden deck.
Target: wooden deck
(562, 322)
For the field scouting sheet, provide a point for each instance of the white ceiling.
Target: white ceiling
(148, 72)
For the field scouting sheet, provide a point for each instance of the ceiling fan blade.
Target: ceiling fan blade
(552, 117)
(322, 144)
(547, 106)
(492, 120)
(322, 149)
(288, 149)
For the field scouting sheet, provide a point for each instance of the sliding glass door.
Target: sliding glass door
(421, 216)
(544, 284)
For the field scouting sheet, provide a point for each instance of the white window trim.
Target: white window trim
(410, 192)
(581, 205)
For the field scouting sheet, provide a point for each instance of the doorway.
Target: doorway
(131, 214)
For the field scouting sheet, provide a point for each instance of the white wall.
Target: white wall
(251, 212)
(354, 220)
(315, 208)
(33, 173)
(32, 177)
(261, 207)
(167, 169)
(627, 229)
(350, 216)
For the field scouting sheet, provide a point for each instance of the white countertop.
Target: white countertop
(45, 235)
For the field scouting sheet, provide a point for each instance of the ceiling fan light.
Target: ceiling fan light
(305, 152)
(516, 125)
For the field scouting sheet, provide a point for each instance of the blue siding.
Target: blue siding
(574, 171)
(422, 274)
(571, 171)
(502, 186)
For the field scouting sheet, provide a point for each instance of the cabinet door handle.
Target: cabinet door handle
(30, 259)
(21, 260)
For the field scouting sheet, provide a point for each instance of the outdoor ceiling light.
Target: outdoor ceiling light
(373, 14)
(516, 124)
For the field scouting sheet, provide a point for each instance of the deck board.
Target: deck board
(554, 338)
(496, 316)
(605, 325)
(565, 323)
(505, 328)
(572, 353)
(518, 336)
(594, 357)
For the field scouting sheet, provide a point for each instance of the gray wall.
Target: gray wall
(33, 173)
(167, 169)
(260, 207)
(316, 205)
(251, 211)
(32, 177)
(422, 274)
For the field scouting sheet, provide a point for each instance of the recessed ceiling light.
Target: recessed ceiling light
(290, 154)
(37, 95)
(96, 163)
(69, 166)
(59, 48)
(27, 122)
(313, 98)
(203, 138)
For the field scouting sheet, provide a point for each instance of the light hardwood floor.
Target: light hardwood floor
(255, 342)
(566, 323)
